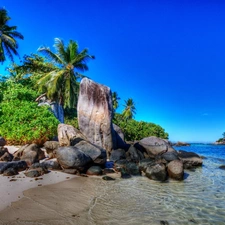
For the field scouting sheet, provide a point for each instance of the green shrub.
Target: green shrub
(21, 120)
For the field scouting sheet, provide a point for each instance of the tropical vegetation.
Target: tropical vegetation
(56, 75)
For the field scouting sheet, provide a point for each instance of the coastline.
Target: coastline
(12, 188)
(66, 202)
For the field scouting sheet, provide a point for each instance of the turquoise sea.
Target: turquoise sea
(199, 199)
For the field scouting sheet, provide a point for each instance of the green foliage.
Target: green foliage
(134, 130)
(21, 120)
(72, 121)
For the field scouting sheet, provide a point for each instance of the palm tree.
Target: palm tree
(130, 110)
(60, 84)
(115, 99)
(8, 35)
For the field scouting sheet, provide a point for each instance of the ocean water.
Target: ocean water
(199, 199)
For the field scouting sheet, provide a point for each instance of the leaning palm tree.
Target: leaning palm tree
(130, 110)
(8, 35)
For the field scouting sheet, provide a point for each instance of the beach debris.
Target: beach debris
(108, 178)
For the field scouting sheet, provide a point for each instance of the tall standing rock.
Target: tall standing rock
(95, 114)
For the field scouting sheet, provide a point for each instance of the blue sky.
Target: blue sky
(169, 56)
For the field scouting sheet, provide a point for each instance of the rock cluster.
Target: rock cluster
(85, 151)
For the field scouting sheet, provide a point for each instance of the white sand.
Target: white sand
(11, 188)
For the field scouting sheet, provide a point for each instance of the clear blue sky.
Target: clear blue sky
(169, 56)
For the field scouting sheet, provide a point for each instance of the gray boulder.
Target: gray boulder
(94, 170)
(97, 154)
(144, 163)
(189, 159)
(134, 154)
(2, 141)
(170, 156)
(36, 172)
(117, 154)
(156, 171)
(176, 169)
(66, 134)
(119, 138)
(32, 154)
(132, 169)
(155, 146)
(17, 165)
(51, 164)
(73, 158)
(10, 172)
(50, 147)
(95, 114)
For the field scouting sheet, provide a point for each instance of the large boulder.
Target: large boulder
(117, 154)
(67, 133)
(95, 114)
(170, 156)
(156, 171)
(97, 154)
(94, 170)
(50, 147)
(18, 166)
(134, 154)
(119, 138)
(32, 154)
(72, 158)
(189, 159)
(155, 146)
(176, 169)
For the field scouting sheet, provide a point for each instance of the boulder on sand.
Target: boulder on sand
(72, 158)
(189, 159)
(95, 112)
(176, 169)
(156, 171)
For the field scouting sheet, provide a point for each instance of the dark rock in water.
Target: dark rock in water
(156, 172)
(2, 141)
(50, 147)
(95, 112)
(134, 154)
(222, 167)
(10, 172)
(179, 143)
(108, 178)
(67, 133)
(176, 170)
(190, 159)
(144, 163)
(97, 154)
(117, 154)
(108, 170)
(164, 222)
(124, 174)
(73, 158)
(132, 168)
(17, 165)
(51, 164)
(94, 170)
(170, 156)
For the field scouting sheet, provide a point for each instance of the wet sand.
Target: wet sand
(67, 202)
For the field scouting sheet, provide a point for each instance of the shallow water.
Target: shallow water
(199, 199)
